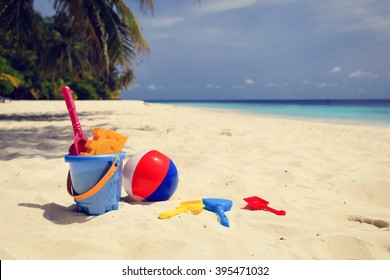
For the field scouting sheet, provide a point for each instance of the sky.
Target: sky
(262, 49)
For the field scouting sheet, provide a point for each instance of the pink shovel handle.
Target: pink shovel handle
(67, 93)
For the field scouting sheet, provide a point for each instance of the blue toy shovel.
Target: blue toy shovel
(218, 206)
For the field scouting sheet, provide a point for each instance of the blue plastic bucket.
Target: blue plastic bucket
(95, 182)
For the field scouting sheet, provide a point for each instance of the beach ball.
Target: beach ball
(150, 176)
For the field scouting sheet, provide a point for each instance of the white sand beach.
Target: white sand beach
(332, 179)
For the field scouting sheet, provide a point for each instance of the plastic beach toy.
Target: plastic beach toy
(150, 176)
(257, 203)
(104, 142)
(95, 182)
(80, 139)
(193, 206)
(218, 206)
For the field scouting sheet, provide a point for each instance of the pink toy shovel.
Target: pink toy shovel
(80, 139)
(257, 203)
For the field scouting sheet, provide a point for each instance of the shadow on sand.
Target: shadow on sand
(60, 215)
(49, 142)
(66, 215)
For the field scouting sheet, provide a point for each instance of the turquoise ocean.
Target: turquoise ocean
(376, 111)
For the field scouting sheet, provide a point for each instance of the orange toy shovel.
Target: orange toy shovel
(257, 203)
(80, 139)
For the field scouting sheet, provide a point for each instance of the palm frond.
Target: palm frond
(16, 18)
(13, 80)
(110, 28)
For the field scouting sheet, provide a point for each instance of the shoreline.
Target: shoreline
(336, 121)
(358, 122)
(281, 116)
(332, 180)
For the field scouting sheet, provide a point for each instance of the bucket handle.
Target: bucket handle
(95, 188)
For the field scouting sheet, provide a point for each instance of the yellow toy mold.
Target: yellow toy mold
(104, 142)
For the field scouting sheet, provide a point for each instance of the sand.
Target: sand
(332, 179)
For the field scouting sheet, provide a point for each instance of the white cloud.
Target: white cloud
(212, 86)
(327, 85)
(305, 82)
(278, 86)
(217, 6)
(352, 15)
(361, 74)
(336, 69)
(154, 87)
(164, 21)
(226, 5)
(270, 85)
(322, 84)
(249, 82)
(134, 86)
(160, 35)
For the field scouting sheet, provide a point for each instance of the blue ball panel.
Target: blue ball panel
(167, 187)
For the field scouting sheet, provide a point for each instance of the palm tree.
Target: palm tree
(107, 27)
(17, 18)
(110, 28)
(64, 50)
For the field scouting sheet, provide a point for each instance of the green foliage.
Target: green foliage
(38, 56)
(9, 77)
(84, 90)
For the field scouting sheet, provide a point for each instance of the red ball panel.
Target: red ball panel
(149, 173)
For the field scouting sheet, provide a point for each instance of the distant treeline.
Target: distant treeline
(89, 45)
